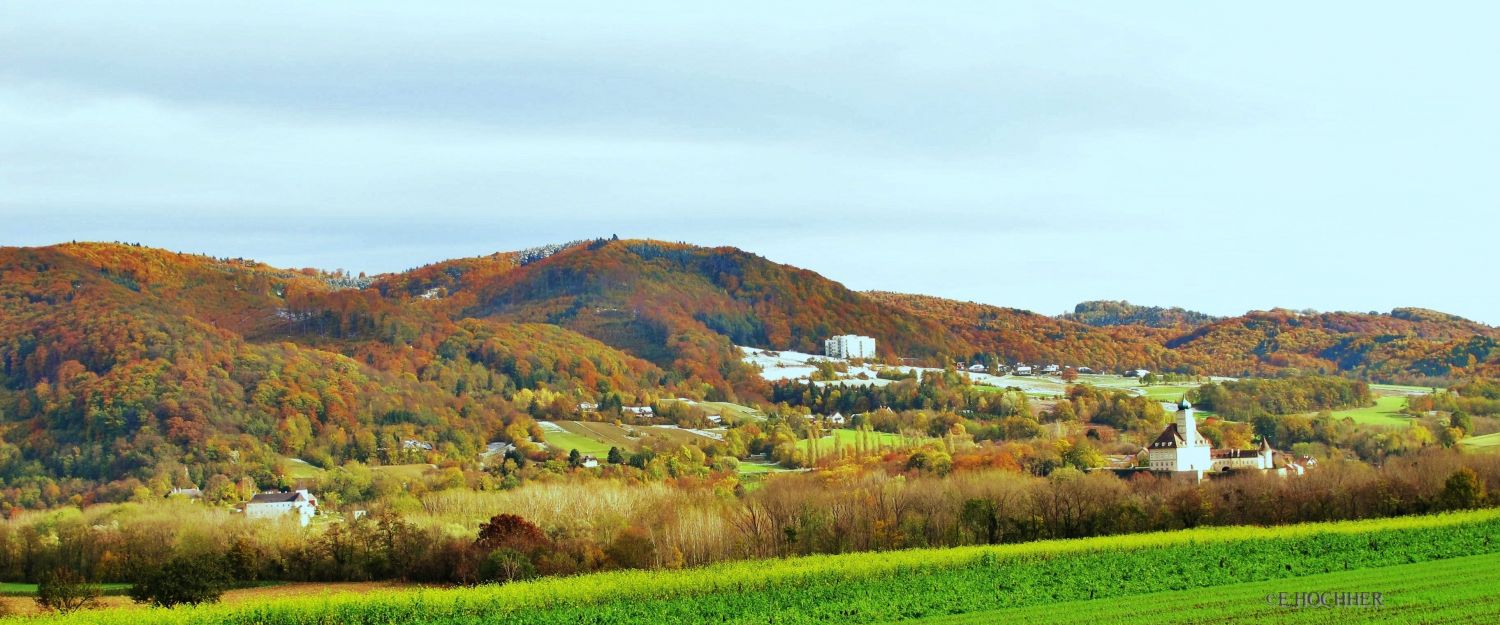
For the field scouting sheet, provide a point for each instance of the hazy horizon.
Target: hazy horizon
(1220, 159)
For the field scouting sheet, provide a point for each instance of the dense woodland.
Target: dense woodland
(126, 371)
(1122, 313)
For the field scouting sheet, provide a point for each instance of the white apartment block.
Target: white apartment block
(849, 346)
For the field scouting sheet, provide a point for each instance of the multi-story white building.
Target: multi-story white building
(849, 346)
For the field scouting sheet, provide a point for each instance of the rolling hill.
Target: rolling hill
(122, 365)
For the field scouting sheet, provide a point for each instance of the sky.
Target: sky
(1244, 156)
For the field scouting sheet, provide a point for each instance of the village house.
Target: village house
(276, 505)
(189, 493)
(977, 368)
(1023, 369)
(644, 411)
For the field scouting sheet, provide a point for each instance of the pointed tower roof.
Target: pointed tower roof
(1265, 445)
(1184, 405)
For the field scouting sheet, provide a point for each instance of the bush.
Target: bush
(185, 579)
(63, 590)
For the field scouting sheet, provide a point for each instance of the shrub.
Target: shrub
(185, 579)
(63, 590)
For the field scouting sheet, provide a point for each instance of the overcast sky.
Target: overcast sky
(1302, 155)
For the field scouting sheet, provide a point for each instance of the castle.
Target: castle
(1182, 452)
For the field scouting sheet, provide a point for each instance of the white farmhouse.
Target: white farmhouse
(849, 346)
(276, 505)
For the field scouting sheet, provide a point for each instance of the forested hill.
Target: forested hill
(1122, 313)
(118, 360)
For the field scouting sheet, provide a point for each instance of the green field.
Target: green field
(1397, 389)
(15, 589)
(1041, 579)
(1167, 392)
(595, 438)
(584, 440)
(1457, 590)
(1486, 443)
(1385, 412)
(299, 469)
(757, 468)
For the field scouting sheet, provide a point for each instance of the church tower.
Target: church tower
(1187, 425)
(1193, 454)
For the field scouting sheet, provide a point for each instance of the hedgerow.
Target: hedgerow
(880, 587)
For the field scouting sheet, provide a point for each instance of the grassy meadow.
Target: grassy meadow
(1487, 443)
(1030, 581)
(1385, 412)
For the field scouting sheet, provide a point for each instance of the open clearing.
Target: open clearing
(1385, 412)
(595, 438)
(1486, 443)
(405, 471)
(1398, 389)
(851, 439)
(299, 469)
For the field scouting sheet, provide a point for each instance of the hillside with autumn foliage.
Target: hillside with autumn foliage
(124, 367)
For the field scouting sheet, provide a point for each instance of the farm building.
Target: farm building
(275, 505)
(1023, 370)
(976, 368)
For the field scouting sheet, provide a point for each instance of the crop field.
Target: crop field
(1457, 590)
(1200, 566)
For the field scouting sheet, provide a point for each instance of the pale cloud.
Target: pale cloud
(1021, 154)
